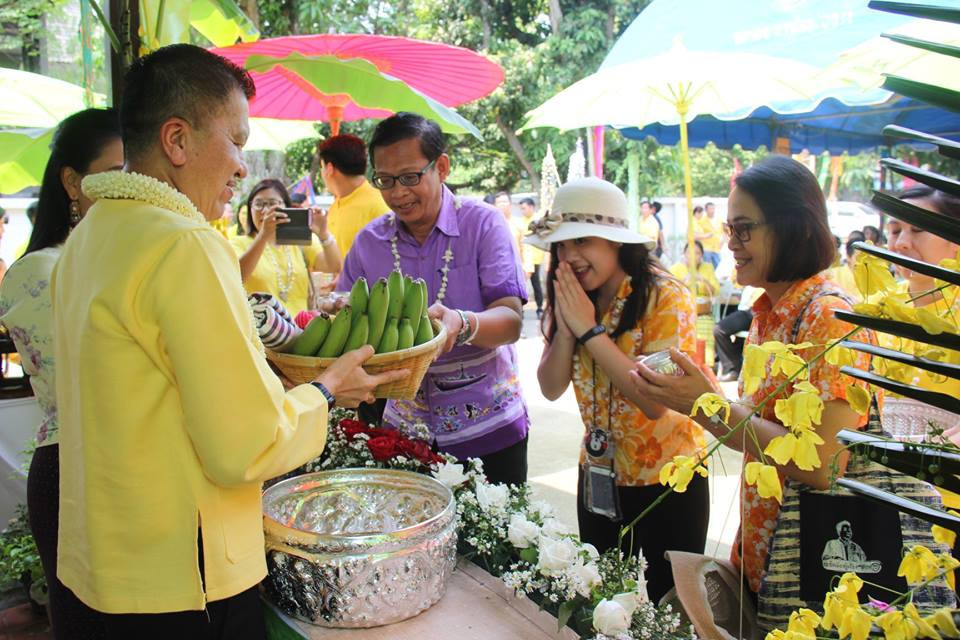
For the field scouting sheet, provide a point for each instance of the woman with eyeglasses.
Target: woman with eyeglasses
(87, 142)
(777, 225)
(282, 270)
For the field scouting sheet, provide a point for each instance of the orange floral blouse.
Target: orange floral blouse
(642, 445)
(776, 322)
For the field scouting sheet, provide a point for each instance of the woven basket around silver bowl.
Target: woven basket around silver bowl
(358, 547)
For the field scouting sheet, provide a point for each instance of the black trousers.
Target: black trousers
(679, 523)
(507, 466)
(537, 287)
(69, 616)
(730, 350)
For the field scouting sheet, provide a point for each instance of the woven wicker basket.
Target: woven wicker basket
(416, 360)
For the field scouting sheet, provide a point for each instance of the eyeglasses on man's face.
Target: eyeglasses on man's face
(741, 230)
(411, 179)
(5, 219)
(266, 204)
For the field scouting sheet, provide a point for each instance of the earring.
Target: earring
(74, 213)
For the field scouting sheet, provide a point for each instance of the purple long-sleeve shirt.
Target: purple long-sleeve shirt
(470, 398)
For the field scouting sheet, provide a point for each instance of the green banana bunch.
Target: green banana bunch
(359, 297)
(405, 334)
(391, 335)
(359, 333)
(308, 342)
(424, 331)
(423, 291)
(338, 335)
(395, 287)
(377, 311)
(412, 309)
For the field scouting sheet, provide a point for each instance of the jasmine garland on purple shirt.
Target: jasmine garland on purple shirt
(470, 398)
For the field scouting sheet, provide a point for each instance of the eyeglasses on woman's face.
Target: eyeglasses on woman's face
(266, 203)
(412, 179)
(741, 229)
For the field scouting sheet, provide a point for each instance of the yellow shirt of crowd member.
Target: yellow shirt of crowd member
(171, 417)
(649, 227)
(352, 212)
(281, 271)
(713, 225)
(706, 285)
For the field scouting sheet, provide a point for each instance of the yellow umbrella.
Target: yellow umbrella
(673, 88)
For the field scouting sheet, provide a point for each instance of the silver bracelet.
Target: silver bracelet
(476, 328)
(464, 336)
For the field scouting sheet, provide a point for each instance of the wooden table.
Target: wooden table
(476, 606)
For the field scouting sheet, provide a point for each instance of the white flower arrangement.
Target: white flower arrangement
(601, 597)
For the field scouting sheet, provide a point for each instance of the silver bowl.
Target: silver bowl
(358, 547)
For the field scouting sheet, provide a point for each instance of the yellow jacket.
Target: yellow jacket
(351, 213)
(170, 416)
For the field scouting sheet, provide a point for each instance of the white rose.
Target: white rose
(450, 474)
(492, 497)
(610, 618)
(553, 528)
(542, 507)
(590, 549)
(521, 532)
(556, 555)
(587, 574)
(629, 601)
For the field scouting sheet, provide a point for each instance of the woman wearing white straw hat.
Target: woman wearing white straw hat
(609, 303)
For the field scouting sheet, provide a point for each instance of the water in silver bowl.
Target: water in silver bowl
(358, 547)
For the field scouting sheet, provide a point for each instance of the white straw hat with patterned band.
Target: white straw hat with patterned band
(584, 208)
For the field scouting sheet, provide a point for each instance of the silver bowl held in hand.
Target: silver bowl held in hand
(358, 547)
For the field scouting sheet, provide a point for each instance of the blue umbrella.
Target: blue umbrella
(832, 126)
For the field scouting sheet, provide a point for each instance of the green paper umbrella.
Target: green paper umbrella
(25, 153)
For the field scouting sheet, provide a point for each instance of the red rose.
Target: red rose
(351, 428)
(382, 448)
(417, 449)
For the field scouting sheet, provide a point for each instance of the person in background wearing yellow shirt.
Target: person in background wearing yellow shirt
(532, 257)
(343, 164)
(842, 274)
(709, 231)
(650, 225)
(282, 270)
(170, 417)
(704, 284)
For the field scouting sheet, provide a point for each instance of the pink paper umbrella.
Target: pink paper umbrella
(447, 74)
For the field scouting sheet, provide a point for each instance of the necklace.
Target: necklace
(122, 185)
(283, 286)
(447, 257)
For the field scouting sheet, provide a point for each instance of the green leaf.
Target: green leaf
(530, 555)
(567, 609)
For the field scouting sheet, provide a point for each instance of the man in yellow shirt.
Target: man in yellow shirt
(709, 232)
(343, 163)
(170, 417)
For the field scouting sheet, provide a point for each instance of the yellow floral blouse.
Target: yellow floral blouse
(776, 322)
(642, 445)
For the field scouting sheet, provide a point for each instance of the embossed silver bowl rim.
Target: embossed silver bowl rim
(339, 541)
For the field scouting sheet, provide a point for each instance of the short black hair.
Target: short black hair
(696, 242)
(944, 202)
(795, 211)
(181, 80)
(528, 201)
(347, 153)
(696, 209)
(77, 142)
(405, 125)
(267, 183)
(656, 207)
(855, 236)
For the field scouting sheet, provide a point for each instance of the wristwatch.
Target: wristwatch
(592, 333)
(331, 400)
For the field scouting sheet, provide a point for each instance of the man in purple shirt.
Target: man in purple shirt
(470, 397)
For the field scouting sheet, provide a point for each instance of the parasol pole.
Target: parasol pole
(335, 113)
(682, 108)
